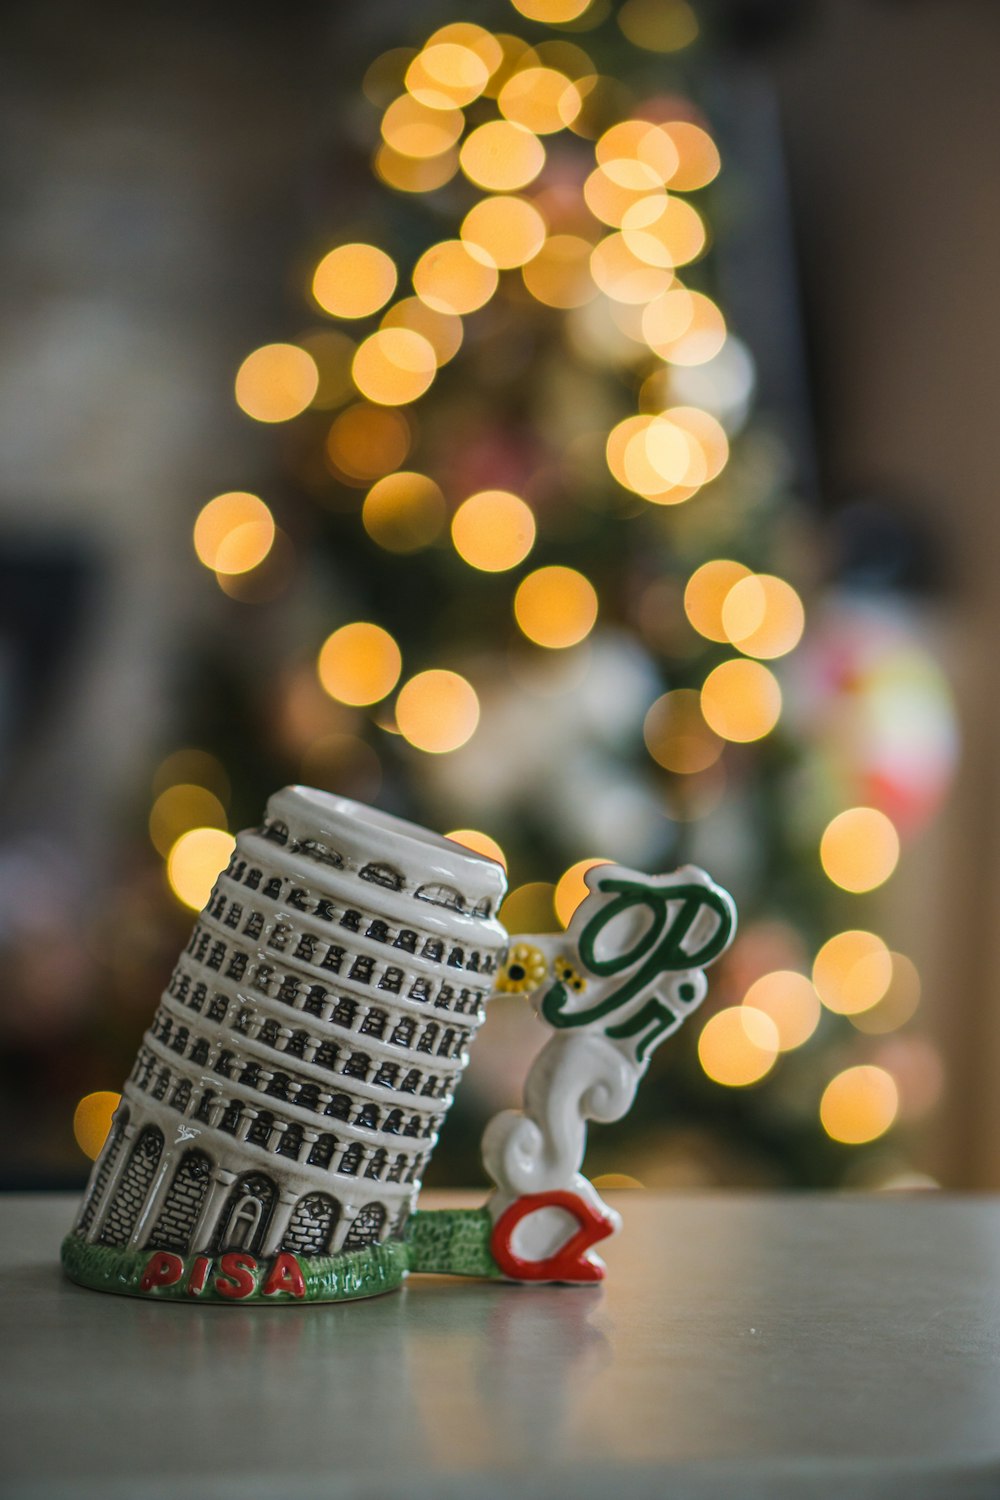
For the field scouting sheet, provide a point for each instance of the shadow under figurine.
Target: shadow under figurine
(270, 1141)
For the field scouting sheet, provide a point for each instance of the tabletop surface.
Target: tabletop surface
(750, 1346)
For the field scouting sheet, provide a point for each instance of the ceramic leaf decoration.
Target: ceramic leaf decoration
(288, 1093)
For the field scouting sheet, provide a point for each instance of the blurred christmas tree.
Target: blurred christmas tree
(540, 574)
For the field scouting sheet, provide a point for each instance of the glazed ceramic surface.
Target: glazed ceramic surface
(290, 1089)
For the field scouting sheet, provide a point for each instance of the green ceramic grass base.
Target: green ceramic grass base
(450, 1242)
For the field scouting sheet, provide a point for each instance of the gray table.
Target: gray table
(742, 1346)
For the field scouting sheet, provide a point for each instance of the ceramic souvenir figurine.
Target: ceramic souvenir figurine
(270, 1141)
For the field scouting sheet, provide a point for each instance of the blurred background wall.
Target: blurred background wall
(176, 173)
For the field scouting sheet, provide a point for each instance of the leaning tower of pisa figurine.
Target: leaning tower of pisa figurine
(291, 1086)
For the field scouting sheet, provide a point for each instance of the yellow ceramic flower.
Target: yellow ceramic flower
(565, 972)
(525, 969)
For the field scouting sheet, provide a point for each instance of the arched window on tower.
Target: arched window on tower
(259, 1133)
(321, 1152)
(290, 1142)
(351, 1159)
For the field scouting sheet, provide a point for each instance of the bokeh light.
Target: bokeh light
(529, 908)
(698, 156)
(618, 185)
(394, 366)
(446, 75)
(899, 1003)
(555, 607)
(852, 971)
(354, 281)
(859, 849)
(332, 350)
(859, 1105)
(559, 275)
(193, 766)
(179, 808)
(194, 863)
(404, 512)
(738, 1046)
(479, 843)
(706, 591)
(234, 532)
(359, 664)
(276, 382)
(453, 277)
(477, 39)
(442, 330)
(741, 700)
(437, 711)
(642, 141)
(676, 734)
(509, 230)
(620, 273)
(702, 335)
(542, 99)
(501, 156)
(365, 442)
(411, 174)
(493, 530)
(791, 1002)
(663, 231)
(92, 1121)
(763, 616)
(571, 888)
(551, 12)
(658, 25)
(412, 129)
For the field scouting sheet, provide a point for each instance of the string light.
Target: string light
(179, 808)
(615, 186)
(859, 1105)
(620, 273)
(446, 74)
(703, 334)
(194, 863)
(790, 1001)
(510, 231)
(529, 908)
(359, 664)
(542, 99)
(899, 1003)
(365, 442)
(276, 382)
(234, 532)
(394, 366)
(763, 616)
(455, 277)
(697, 156)
(354, 281)
(551, 12)
(741, 700)
(571, 888)
(404, 512)
(501, 156)
(437, 711)
(642, 141)
(738, 1046)
(412, 129)
(493, 530)
(852, 971)
(706, 592)
(555, 607)
(477, 39)
(559, 275)
(676, 734)
(479, 843)
(658, 25)
(442, 330)
(92, 1121)
(859, 849)
(664, 231)
(410, 174)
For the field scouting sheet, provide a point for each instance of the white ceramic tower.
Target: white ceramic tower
(291, 1086)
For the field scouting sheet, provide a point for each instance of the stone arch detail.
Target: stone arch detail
(133, 1188)
(310, 1230)
(366, 1228)
(185, 1196)
(112, 1151)
(248, 1211)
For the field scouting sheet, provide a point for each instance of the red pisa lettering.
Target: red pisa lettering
(285, 1276)
(162, 1269)
(236, 1279)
